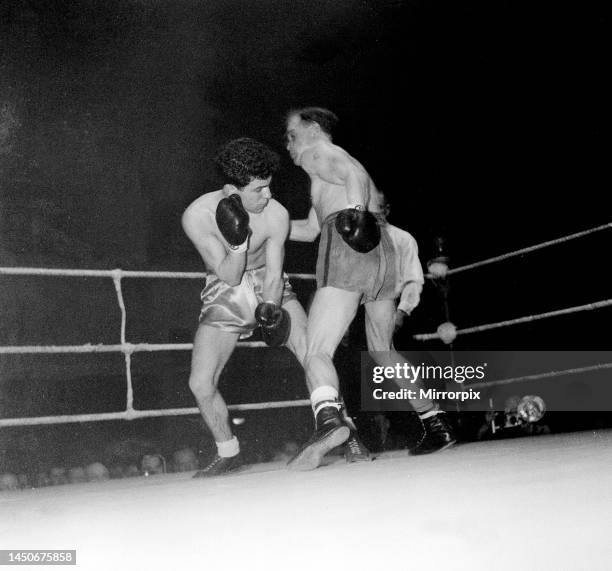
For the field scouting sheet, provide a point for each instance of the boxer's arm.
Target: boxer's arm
(275, 257)
(227, 266)
(334, 166)
(408, 250)
(409, 300)
(305, 230)
(410, 297)
(410, 272)
(356, 183)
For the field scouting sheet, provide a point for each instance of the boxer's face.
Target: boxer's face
(298, 137)
(256, 195)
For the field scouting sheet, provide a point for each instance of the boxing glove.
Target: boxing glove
(275, 323)
(233, 220)
(358, 228)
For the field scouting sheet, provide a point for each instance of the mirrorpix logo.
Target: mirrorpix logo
(388, 383)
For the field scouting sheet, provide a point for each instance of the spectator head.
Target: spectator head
(57, 475)
(130, 471)
(8, 481)
(24, 481)
(185, 460)
(116, 471)
(42, 480)
(151, 464)
(97, 472)
(76, 475)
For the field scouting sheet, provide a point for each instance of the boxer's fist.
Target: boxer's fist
(358, 228)
(275, 323)
(233, 220)
(399, 319)
(267, 314)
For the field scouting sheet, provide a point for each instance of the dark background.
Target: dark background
(483, 122)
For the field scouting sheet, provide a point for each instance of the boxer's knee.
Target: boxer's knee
(202, 386)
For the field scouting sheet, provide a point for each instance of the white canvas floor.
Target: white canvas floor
(531, 503)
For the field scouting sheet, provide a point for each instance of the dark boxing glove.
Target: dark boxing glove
(275, 323)
(358, 228)
(233, 221)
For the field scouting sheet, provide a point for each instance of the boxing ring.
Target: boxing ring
(529, 503)
(532, 503)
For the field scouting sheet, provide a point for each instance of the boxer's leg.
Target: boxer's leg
(331, 312)
(297, 336)
(212, 347)
(380, 324)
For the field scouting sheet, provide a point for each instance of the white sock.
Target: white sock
(228, 448)
(323, 394)
(430, 413)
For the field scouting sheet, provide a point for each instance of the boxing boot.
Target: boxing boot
(330, 431)
(220, 466)
(437, 435)
(356, 450)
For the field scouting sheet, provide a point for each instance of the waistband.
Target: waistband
(210, 273)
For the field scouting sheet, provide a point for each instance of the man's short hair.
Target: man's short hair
(242, 160)
(325, 118)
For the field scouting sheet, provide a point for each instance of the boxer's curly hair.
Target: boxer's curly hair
(242, 160)
(325, 118)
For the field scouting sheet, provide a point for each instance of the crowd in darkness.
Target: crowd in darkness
(185, 459)
(182, 460)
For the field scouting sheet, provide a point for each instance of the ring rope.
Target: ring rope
(115, 274)
(25, 271)
(547, 375)
(528, 249)
(127, 348)
(528, 318)
(131, 414)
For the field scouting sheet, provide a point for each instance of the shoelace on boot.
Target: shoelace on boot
(212, 464)
(354, 446)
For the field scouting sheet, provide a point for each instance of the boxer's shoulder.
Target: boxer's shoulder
(201, 212)
(274, 214)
